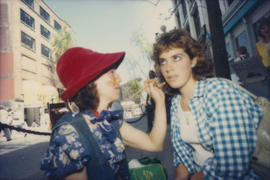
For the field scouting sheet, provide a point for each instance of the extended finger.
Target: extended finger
(160, 85)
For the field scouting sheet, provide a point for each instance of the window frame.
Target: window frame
(45, 32)
(44, 14)
(43, 47)
(31, 5)
(25, 44)
(184, 9)
(197, 22)
(240, 37)
(25, 18)
(57, 24)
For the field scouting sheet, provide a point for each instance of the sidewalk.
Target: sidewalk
(19, 140)
(260, 88)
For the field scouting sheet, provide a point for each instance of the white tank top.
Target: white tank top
(189, 135)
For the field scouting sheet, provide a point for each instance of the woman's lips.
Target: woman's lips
(171, 78)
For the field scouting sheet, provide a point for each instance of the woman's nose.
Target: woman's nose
(117, 78)
(168, 66)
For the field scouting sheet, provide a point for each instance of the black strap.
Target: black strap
(97, 164)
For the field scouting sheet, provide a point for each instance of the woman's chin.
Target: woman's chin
(116, 98)
(174, 85)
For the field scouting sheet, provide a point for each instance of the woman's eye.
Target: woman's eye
(112, 72)
(177, 58)
(162, 61)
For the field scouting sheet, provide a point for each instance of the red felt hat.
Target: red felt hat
(78, 66)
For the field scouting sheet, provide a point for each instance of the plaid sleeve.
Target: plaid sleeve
(176, 159)
(234, 118)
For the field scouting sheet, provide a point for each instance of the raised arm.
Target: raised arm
(154, 140)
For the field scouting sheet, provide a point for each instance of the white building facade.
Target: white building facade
(27, 71)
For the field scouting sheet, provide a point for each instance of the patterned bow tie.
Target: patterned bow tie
(107, 130)
(109, 116)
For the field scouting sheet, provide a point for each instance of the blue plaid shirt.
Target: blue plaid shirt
(226, 120)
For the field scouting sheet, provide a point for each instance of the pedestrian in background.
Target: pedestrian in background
(89, 142)
(213, 123)
(242, 54)
(4, 118)
(263, 46)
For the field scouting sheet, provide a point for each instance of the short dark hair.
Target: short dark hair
(243, 50)
(262, 22)
(179, 38)
(87, 97)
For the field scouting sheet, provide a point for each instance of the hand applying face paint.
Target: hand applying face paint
(154, 89)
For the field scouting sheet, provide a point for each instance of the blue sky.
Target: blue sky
(109, 26)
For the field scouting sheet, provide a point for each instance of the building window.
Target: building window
(29, 3)
(44, 14)
(45, 51)
(242, 40)
(28, 41)
(57, 26)
(45, 32)
(27, 19)
(197, 22)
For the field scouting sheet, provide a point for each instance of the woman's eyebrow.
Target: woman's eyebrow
(177, 54)
(161, 59)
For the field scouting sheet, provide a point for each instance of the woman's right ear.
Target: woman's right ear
(194, 62)
(73, 108)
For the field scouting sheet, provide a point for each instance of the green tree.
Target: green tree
(132, 90)
(62, 41)
(145, 46)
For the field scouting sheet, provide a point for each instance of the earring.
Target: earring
(193, 65)
(73, 108)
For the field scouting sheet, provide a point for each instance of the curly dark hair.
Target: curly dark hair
(87, 97)
(179, 38)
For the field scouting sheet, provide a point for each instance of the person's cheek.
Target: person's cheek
(116, 81)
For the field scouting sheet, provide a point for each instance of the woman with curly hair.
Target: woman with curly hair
(88, 143)
(213, 123)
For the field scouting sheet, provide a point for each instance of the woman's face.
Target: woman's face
(108, 86)
(176, 67)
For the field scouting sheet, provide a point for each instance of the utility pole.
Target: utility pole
(221, 63)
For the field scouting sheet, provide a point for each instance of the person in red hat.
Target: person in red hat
(88, 143)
